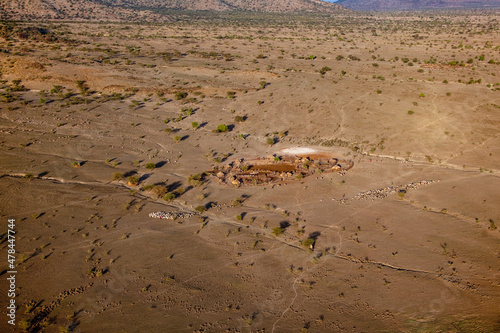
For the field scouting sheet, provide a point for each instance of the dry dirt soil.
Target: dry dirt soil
(412, 100)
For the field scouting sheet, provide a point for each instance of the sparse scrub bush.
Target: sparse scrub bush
(169, 197)
(117, 176)
(324, 69)
(82, 86)
(200, 208)
(276, 231)
(195, 180)
(180, 95)
(159, 190)
(222, 128)
(150, 166)
(133, 180)
(308, 243)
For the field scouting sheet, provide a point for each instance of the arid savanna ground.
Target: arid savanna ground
(104, 123)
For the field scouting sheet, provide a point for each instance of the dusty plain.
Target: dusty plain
(111, 122)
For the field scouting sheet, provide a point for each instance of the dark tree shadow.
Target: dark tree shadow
(160, 164)
(314, 235)
(187, 189)
(203, 124)
(284, 224)
(226, 157)
(174, 186)
(211, 204)
(130, 173)
(144, 177)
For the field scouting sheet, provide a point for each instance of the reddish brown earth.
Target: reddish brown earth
(106, 96)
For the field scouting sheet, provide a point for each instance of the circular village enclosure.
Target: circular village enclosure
(293, 164)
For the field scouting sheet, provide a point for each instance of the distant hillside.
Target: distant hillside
(148, 10)
(225, 5)
(386, 5)
(66, 10)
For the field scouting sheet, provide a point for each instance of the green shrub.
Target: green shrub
(200, 208)
(307, 243)
(180, 95)
(324, 69)
(277, 231)
(169, 197)
(148, 187)
(222, 128)
(150, 166)
(133, 180)
(25, 324)
(195, 180)
(159, 190)
(117, 176)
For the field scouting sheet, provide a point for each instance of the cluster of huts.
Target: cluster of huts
(276, 169)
